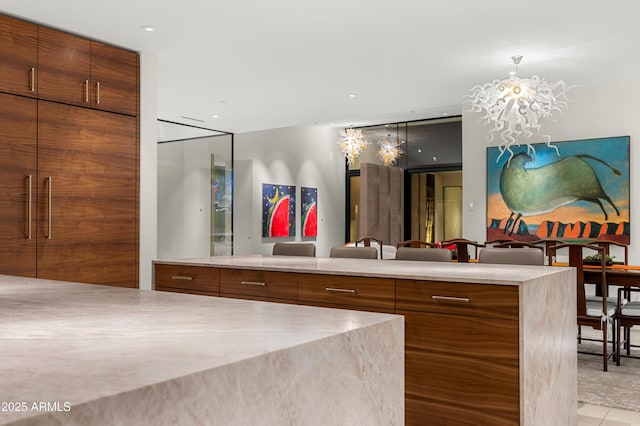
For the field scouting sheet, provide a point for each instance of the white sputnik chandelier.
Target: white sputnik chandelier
(389, 150)
(351, 142)
(515, 106)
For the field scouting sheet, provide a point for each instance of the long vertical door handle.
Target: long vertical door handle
(29, 178)
(86, 90)
(33, 79)
(98, 92)
(49, 209)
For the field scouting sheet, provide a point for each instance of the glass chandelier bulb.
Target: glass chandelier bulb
(389, 151)
(351, 143)
(515, 106)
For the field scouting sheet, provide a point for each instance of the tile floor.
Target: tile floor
(594, 415)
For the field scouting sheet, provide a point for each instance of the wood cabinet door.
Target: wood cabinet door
(63, 67)
(88, 202)
(114, 79)
(18, 56)
(17, 162)
(461, 370)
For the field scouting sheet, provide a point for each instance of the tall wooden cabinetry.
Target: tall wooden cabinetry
(69, 156)
(18, 165)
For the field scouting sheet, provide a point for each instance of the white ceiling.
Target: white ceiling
(278, 63)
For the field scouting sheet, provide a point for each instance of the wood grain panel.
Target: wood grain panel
(187, 291)
(91, 157)
(484, 300)
(338, 290)
(17, 161)
(263, 284)
(64, 65)
(348, 307)
(461, 368)
(18, 55)
(188, 278)
(259, 298)
(116, 72)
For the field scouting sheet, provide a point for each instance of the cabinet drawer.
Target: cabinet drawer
(482, 300)
(187, 291)
(268, 284)
(200, 278)
(331, 290)
(259, 298)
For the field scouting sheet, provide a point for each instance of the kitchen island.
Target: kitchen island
(484, 345)
(81, 354)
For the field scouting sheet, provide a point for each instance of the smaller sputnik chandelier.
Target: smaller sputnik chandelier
(389, 150)
(515, 106)
(351, 142)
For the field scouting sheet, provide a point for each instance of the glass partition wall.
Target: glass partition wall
(195, 191)
(432, 164)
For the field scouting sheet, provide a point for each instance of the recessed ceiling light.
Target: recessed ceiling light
(435, 158)
(446, 113)
(419, 150)
(331, 124)
(352, 95)
(215, 116)
(148, 28)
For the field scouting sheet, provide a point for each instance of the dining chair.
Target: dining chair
(512, 256)
(607, 245)
(424, 254)
(354, 252)
(368, 241)
(294, 249)
(497, 241)
(462, 247)
(595, 313)
(546, 243)
(416, 244)
(628, 315)
(517, 244)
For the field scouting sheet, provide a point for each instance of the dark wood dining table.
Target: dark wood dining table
(620, 275)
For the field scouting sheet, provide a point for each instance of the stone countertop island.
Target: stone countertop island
(79, 354)
(485, 344)
(404, 269)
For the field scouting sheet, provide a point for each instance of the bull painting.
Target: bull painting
(582, 193)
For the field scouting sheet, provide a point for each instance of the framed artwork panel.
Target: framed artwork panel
(309, 211)
(278, 210)
(570, 191)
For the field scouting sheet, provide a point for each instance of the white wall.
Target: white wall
(184, 196)
(300, 156)
(148, 167)
(592, 113)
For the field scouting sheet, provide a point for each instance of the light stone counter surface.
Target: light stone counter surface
(547, 351)
(399, 269)
(88, 354)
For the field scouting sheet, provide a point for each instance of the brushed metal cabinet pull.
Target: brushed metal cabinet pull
(98, 92)
(452, 299)
(261, 284)
(33, 79)
(182, 277)
(340, 290)
(29, 180)
(49, 207)
(86, 90)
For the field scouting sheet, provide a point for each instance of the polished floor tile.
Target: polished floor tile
(593, 415)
